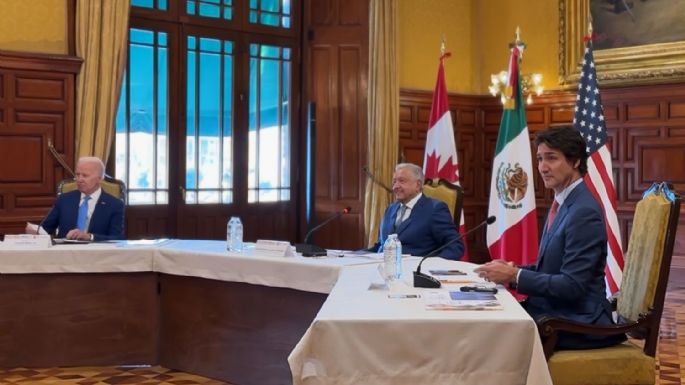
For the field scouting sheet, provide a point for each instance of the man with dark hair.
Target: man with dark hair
(568, 279)
(421, 223)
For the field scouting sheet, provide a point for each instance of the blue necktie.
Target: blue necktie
(83, 214)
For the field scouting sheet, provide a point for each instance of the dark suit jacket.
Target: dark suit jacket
(428, 227)
(106, 223)
(568, 279)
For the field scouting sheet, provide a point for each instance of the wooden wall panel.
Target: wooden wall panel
(350, 139)
(336, 66)
(36, 107)
(646, 128)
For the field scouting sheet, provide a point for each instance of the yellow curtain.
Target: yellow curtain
(101, 41)
(384, 104)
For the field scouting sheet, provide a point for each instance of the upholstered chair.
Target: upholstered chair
(447, 192)
(639, 304)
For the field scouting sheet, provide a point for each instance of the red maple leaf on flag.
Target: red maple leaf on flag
(449, 170)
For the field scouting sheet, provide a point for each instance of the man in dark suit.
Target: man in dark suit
(568, 279)
(421, 223)
(88, 213)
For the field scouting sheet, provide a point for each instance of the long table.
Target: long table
(362, 336)
(192, 306)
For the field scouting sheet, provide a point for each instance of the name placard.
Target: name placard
(26, 241)
(274, 248)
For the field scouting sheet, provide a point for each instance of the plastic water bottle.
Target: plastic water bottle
(234, 235)
(229, 233)
(392, 260)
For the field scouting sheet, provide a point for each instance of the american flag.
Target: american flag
(589, 120)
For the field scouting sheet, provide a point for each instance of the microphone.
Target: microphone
(425, 280)
(308, 250)
(375, 180)
(43, 221)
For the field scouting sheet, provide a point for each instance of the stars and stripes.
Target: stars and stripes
(589, 120)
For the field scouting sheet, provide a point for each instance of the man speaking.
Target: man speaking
(89, 213)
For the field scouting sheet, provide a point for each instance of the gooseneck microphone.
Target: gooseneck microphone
(43, 221)
(427, 281)
(309, 250)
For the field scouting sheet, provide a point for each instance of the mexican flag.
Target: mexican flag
(514, 236)
(440, 157)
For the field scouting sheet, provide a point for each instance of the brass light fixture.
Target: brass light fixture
(530, 83)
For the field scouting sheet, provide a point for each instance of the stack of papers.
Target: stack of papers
(458, 300)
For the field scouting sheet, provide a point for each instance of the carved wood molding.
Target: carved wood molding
(646, 126)
(39, 62)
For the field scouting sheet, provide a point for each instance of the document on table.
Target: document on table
(457, 300)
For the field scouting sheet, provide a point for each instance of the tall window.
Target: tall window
(209, 127)
(269, 139)
(183, 108)
(141, 143)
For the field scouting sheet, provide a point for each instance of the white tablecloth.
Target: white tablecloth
(360, 336)
(209, 259)
(195, 258)
(78, 258)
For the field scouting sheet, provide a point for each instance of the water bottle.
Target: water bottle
(238, 235)
(229, 234)
(392, 260)
(234, 235)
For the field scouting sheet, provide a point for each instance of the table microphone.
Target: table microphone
(425, 280)
(308, 250)
(43, 221)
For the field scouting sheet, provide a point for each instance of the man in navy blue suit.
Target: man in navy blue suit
(568, 279)
(89, 213)
(421, 223)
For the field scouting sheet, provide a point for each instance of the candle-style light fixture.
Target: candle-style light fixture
(530, 83)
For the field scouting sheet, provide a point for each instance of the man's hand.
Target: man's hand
(498, 271)
(78, 234)
(31, 228)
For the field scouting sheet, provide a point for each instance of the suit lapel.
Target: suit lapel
(100, 206)
(563, 211)
(390, 220)
(418, 207)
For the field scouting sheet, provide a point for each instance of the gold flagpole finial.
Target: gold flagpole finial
(442, 45)
(518, 34)
(589, 26)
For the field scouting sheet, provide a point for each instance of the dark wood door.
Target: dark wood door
(36, 109)
(336, 71)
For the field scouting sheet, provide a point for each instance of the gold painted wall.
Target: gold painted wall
(478, 33)
(421, 25)
(33, 25)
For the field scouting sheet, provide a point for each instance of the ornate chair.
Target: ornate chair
(447, 192)
(114, 187)
(639, 307)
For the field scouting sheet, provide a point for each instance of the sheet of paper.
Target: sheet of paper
(456, 300)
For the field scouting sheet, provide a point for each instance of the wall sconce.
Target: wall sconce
(530, 84)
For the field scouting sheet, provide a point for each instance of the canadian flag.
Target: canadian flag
(440, 158)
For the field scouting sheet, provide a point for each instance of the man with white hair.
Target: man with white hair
(88, 213)
(422, 224)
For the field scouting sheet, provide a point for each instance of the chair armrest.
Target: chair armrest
(549, 328)
(613, 300)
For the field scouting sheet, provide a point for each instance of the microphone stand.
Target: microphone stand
(42, 221)
(428, 281)
(309, 250)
